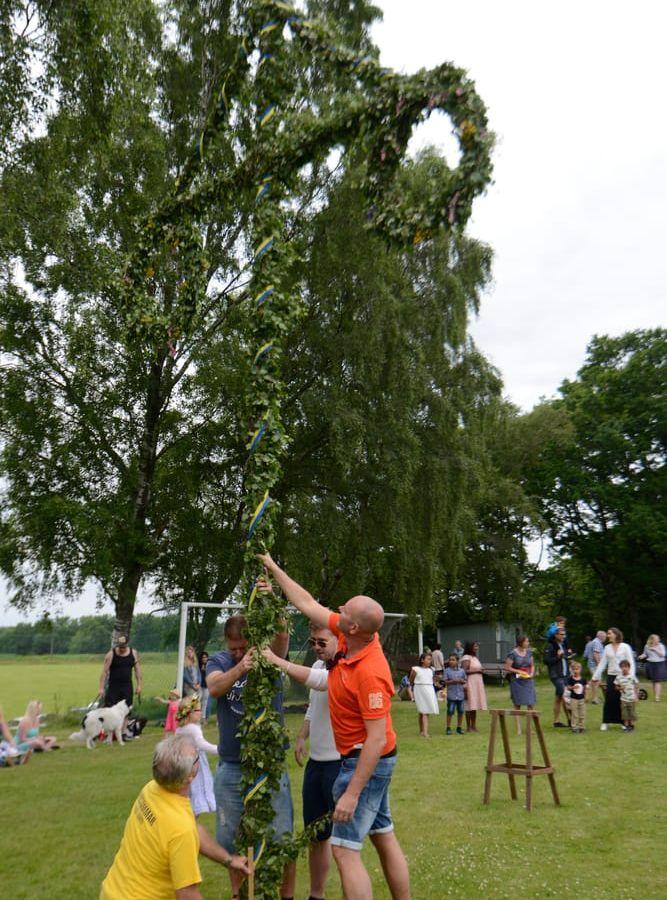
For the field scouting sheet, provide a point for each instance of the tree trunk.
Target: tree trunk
(134, 565)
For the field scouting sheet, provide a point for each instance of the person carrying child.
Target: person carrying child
(628, 685)
(578, 686)
(188, 716)
(171, 702)
(454, 678)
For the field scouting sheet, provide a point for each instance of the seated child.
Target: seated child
(627, 684)
(454, 677)
(577, 685)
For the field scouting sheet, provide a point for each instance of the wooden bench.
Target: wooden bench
(494, 670)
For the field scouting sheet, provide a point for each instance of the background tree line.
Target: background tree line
(87, 634)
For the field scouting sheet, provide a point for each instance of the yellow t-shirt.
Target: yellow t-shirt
(159, 851)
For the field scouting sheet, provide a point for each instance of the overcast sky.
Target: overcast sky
(577, 214)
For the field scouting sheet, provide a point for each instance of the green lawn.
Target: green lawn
(64, 812)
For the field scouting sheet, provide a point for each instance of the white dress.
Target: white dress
(424, 693)
(202, 798)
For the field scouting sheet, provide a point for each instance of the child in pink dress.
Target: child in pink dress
(172, 708)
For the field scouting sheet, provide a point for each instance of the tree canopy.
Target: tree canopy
(123, 457)
(600, 479)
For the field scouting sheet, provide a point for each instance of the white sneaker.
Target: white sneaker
(604, 726)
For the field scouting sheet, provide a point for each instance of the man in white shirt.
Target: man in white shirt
(323, 765)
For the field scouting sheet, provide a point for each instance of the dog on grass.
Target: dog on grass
(107, 719)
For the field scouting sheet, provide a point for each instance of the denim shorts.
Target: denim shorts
(372, 815)
(317, 792)
(229, 806)
(559, 685)
(454, 706)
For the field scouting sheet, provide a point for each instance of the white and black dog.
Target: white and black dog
(107, 719)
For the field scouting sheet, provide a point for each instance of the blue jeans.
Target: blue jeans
(229, 806)
(372, 815)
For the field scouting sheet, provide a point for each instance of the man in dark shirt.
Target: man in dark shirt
(226, 676)
(556, 658)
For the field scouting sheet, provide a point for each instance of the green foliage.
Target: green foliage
(600, 479)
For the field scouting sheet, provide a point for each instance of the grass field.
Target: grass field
(65, 811)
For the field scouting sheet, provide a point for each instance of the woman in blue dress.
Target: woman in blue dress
(520, 668)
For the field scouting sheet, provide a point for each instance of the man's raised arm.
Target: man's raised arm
(296, 595)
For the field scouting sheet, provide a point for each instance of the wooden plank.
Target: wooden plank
(251, 875)
(508, 755)
(489, 757)
(547, 761)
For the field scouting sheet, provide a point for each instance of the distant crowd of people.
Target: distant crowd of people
(458, 680)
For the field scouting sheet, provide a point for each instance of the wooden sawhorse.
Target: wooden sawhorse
(512, 769)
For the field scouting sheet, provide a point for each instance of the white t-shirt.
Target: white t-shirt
(322, 744)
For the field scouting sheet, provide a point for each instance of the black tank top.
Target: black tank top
(120, 671)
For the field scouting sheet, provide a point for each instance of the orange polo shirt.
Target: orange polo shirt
(359, 688)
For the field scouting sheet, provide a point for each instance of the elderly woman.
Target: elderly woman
(28, 736)
(615, 651)
(656, 670)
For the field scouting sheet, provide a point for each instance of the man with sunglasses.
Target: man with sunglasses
(360, 688)
(323, 763)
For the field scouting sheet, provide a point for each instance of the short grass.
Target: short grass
(64, 812)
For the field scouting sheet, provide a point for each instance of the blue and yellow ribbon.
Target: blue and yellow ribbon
(264, 58)
(264, 247)
(257, 437)
(264, 296)
(263, 350)
(260, 715)
(264, 186)
(268, 114)
(253, 790)
(259, 512)
(259, 849)
(268, 27)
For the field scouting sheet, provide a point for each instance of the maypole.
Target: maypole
(373, 117)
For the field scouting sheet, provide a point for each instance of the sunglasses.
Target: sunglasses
(317, 642)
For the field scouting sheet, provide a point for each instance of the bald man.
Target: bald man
(360, 689)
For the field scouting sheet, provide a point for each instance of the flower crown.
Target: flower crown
(187, 706)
